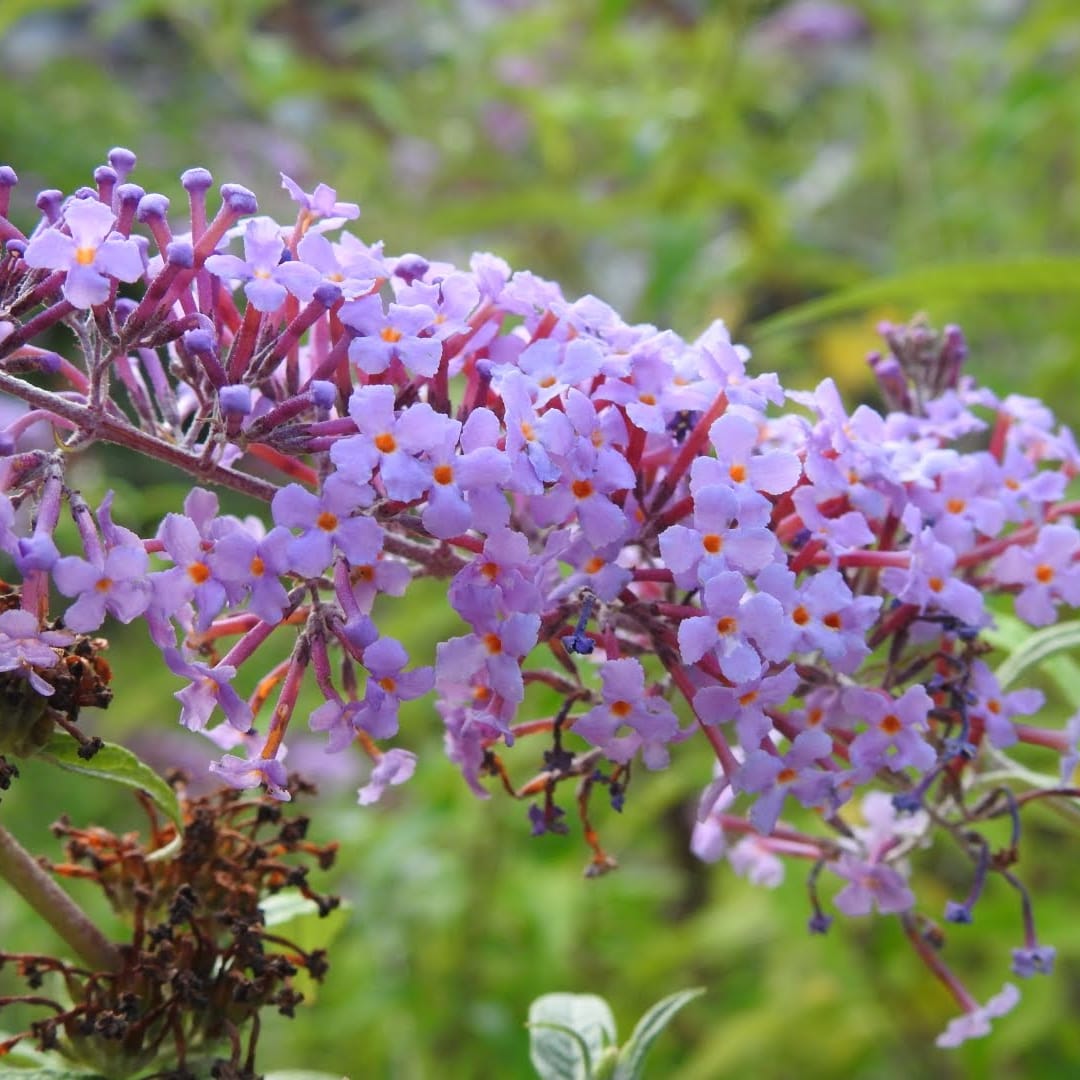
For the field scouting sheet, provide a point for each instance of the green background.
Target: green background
(683, 161)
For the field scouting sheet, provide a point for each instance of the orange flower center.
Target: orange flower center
(326, 521)
(800, 616)
(891, 725)
(388, 684)
(390, 335)
(493, 643)
(198, 572)
(1044, 573)
(712, 543)
(726, 625)
(621, 708)
(385, 443)
(955, 506)
(258, 567)
(582, 489)
(832, 620)
(737, 473)
(84, 256)
(444, 474)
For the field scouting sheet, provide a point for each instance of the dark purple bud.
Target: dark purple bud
(323, 393)
(410, 267)
(907, 802)
(123, 307)
(152, 205)
(122, 160)
(235, 400)
(86, 193)
(17, 248)
(957, 913)
(819, 923)
(7, 444)
(49, 203)
(1035, 961)
(327, 294)
(239, 200)
(196, 180)
(180, 253)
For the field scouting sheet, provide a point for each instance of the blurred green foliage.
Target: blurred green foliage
(683, 160)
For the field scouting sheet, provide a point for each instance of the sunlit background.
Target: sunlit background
(683, 160)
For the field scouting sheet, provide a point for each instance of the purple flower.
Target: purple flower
(24, 646)
(720, 539)
(1047, 572)
(929, 582)
(210, 687)
(895, 726)
(192, 578)
(772, 778)
(746, 703)
(326, 521)
(823, 615)
(733, 622)
(455, 476)
(349, 264)
(626, 704)
(452, 298)
(267, 280)
(91, 255)
(320, 203)
(753, 858)
(500, 579)
(742, 465)
(118, 584)
(871, 885)
(388, 685)
(249, 772)
(248, 565)
(393, 768)
(493, 658)
(995, 708)
(976, 1022)
(391, 442)
(393, 334)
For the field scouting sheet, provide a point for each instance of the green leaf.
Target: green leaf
(114, 763)
(567, 1032)
(649, 1027)
(296, 918)
(1038, 647)
(1039, 275)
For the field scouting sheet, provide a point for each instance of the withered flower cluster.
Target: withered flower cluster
(201, 963)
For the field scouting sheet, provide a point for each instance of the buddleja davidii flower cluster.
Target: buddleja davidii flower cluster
(809, 588)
